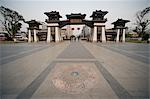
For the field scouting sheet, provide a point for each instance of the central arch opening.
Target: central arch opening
(76, 27)
(75, 32)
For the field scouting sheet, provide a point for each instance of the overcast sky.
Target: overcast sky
(34, 9)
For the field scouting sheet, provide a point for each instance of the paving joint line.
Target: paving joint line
(10, 59)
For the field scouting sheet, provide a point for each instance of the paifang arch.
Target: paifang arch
(97, 25)
(54, 23)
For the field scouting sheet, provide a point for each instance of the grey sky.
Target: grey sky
(34, 9)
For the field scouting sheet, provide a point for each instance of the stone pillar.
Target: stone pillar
(123, 35)
(35, 37)
(29, 36)
(49, 34)
(56, 34)
(118, 33)
(60, 38)
(103, 35)
(95, 34)
(91, 33)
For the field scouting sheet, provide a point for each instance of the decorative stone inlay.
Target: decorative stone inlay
(75, 73)
(74, 78)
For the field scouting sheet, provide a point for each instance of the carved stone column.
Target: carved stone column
(29, 36)
(118, 33)
(56, 34)
(49, 34)
(35, 36)
(123, 35)
(103, 35)
(95, 34)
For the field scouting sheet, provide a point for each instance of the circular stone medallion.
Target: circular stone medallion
(75, 73)
(74, 78)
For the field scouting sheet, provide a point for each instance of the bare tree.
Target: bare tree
(11, 20)
(142, 23)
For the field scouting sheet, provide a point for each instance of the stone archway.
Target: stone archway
(98, 20)
(32, 30)
(97, 25)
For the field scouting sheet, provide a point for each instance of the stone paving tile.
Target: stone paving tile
(74, 51)
(135, 56)
(130, 73)
(14, 57)
(18, 74)
(117, 88)
(14, 49)
(118, 76)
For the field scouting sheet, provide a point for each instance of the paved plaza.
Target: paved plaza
(74, 70)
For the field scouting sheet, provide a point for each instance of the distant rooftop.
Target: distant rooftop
(98, 13)
(33, 22)
(120, 23)
(53, 14)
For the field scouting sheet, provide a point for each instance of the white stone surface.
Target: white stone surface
(99, 24)
(123, 35)
(57, 34)
(118, 33)
(29, 35)
(35, 36)
(49, 34)
(52, 24)
(95, 34)
(103, 35)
